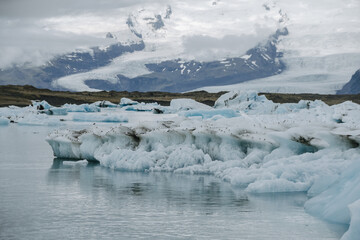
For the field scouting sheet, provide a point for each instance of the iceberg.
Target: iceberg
(184, 104)
(130, 105)
(252, 103)
(105, 104)
(81, 107)
(127, 102)
(205, 114)
(41, 105)
(142, 107)
(102, 117)
(55, 111)
(38, 120)
(4, 121)
(333, 203)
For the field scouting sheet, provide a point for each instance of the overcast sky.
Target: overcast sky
(52, 8)
(33, 31)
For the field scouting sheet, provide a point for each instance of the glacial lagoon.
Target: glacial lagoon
(46, 198)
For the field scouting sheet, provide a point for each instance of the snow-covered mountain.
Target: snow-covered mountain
(178, 75)
(273, 46)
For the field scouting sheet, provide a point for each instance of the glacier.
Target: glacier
(245, 139)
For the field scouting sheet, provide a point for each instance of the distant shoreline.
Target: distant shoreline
(22, 95)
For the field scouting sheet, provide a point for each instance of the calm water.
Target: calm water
(42, 198)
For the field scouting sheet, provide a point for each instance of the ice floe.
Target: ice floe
(4, 121)
(101, 117)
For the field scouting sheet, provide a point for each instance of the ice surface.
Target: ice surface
(81, 108)
(105, 104)
(204, 114)
(142, 107)
(183, 104)
(4, 121)
(41, 104)
(56, 111)
(332, 204)
(126, 102)
(250, 102)
(102, 117)
(28, 115)
(354, 230)
(38, 120)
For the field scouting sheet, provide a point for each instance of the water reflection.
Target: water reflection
(174, 190)
(179, 204)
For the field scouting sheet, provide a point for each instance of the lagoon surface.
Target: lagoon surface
(45, 198)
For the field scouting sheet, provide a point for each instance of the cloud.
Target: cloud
(24, 42)
(37, 30)
(46, 8)
(205, 47)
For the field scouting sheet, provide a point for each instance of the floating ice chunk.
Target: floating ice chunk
(81, 108)
(143, 107)
(354, 230)
(184, 104)
(38, 120)
(333, 203)
(55, 111)
(99, 117)
(105, 104)
(248, 102)
(204, 114)
(41, 105)
(13, 113)
(251, 103)
(4, 121)
(127, 102)
(235, 98)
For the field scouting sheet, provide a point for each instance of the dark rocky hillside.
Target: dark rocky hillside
(22, 96)
(64, 65)
(353, 86)
(178, 76)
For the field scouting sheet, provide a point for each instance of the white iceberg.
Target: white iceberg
(184, 104)
(105, 104)
(55, 111)
(205, 114)
(127, 102)
(4, 121)
(81, 108)
(100, 117)
(142, 107)
(41, 105)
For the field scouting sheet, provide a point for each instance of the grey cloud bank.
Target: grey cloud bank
(44, 8)
(33, 32)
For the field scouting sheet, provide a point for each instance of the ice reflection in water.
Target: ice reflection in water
(165, 205)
